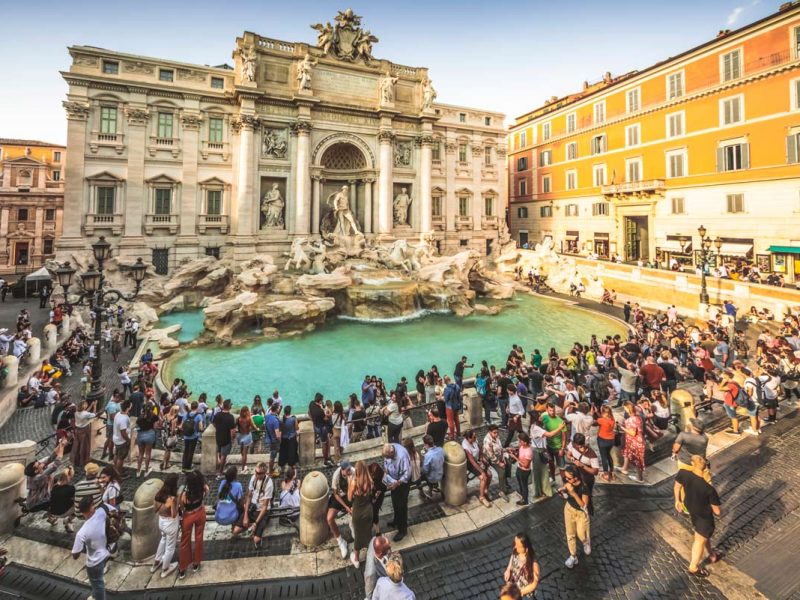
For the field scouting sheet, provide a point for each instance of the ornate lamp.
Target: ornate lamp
(138, 271)
(91, 280)
(102, 250)
(702, 231)
(718, 244)
(64, 275)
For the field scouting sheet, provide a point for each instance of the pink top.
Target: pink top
(525, 456)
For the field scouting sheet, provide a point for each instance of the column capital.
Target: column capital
(246, 122)
(137, 116)
(191, 121)
(301, 127)
(476, 150)
(368, 180)
(386, 136)
(424, 140)
(77, 111)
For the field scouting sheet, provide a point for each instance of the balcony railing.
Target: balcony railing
(213, 222)
(220, 148)
(98, 140)
(634, 188)
(170, 144)
(437, 222)
(160, 221)
(489, 222)
(463, 222)
(95, 221)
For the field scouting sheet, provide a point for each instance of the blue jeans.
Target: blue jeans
(502, 408)
(96, 580)
(605, 447)
(487, 410)
(623, 396)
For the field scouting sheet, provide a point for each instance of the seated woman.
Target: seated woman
(290, 497)
(661, 410)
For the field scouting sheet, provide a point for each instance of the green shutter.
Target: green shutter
(745, 156)
(791, 148)
(720, 160)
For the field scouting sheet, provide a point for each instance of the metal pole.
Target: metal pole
(96, 394)
(703, 289)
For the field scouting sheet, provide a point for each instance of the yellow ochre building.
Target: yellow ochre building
(634, 164)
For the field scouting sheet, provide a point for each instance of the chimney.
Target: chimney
(607, 77)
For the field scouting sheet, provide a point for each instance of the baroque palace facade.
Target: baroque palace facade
(634, 165)
(173, 161)
(31, 203)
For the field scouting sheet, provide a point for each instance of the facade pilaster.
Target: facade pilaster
(368, 204)
(302, 203)
(476, 152)
(187, 242)
(137, 202)
(75, 205)
(425, 198)
(316, 184)
(451, 203)
(386, 164)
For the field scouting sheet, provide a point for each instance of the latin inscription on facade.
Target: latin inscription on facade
(344, 83)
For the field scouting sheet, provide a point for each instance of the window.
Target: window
(572, 150)
(633, 169)
(546, 130)
(462, 153)
(598, 144)
(523, 187)
(161, 260)
(110, 67)
(571, 121)
(217, 83)
(213, 251)
(215, 129)
(675, 124)
(796, 39)
(50, 214)
(796, 91)
(488, 157)
(487, 121)
(47, 248)
(677, 206)
(522, 212)
(731, 65)
(463, 243)
(523, 139)
(436, 151)
(522, 163)
(733, 157)
(164, 125)
(572, 180)
(599, 175)
(546, 185)
(462, 117)
(56, 175)
(735, 203)
(108, 119)
(675, 85)
(600, 209)
(793, 148)
(57, 156)
(676, 163)
(571, 210)
(599, 112)
(22, 214)
(632, 98)
(731, 111)
(488, 206)
(163, 201)
(545, 158)
(632, 135)
(463, 206)
(166, 75)
(436, 206)
(105, 200)
(545, 212)
(214, 202)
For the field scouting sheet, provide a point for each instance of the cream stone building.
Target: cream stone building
(171, 161)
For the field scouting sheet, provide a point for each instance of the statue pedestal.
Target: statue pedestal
(402, 231)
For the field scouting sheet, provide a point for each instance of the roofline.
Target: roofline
(36, 143)
(105, 51)
(671, 59)
(472, 108)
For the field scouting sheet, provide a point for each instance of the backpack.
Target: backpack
(759, 387)
(227, 511)
(480, 386)
(188, 426)
(742, 399)
(600, 388)
(113, 526)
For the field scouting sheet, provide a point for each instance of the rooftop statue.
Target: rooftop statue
(346, 40)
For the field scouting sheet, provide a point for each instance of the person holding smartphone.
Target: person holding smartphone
(576, 514)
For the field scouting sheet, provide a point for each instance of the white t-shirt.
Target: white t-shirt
(515, 406)
(260, 490)
(111, 492)
(471, 448)
(183, 407)
(538, 440)
(91, 537)
(122, 422)
(580, 423)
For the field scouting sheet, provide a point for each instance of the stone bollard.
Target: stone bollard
(50, 338)
(455, 474)
(474, 407)
(306, 443)
(34, 351)
(145, 534)
(12, 486)
(313, 508)
(98, 433)
(208, 451)
(682, 405)
(11, 363)
(65, 325)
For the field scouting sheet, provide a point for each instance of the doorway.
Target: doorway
(636, 235)
(21, 253)
(523, 239)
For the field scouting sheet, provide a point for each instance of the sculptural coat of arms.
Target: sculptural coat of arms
(346, 40)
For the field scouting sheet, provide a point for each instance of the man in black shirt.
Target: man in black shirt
(316, 412)
(224, 426)
(437, 428)
(458, 371)
(502, 396)
(697, 497)
(576, 514)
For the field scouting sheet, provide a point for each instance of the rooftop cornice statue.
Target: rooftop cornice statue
(346, 40)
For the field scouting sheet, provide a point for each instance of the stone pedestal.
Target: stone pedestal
(144, 526)
(12, 486)
(50, 338)
(454, 483)
(682, 405)
(12, 364)
(474, 407)
(305, 443)
(313, 507)
(98, 433)
(34, 352)
(208, 453)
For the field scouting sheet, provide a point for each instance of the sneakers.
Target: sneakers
(69, 528)
(753, 432)
(155, 567)
(571, 562)
(169, 571)
(353, 559)
(342, 547)
(587, 548)
(195, 568)
(181, 574)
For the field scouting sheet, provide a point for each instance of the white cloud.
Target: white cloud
(734, 16)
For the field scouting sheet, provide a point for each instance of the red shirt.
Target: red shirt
(652, 375)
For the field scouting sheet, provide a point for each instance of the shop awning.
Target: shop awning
(676, 247)
(784, 249)
(570, 238)
(730, 249)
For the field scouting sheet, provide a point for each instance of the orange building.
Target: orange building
(31, 203)
(633, 165)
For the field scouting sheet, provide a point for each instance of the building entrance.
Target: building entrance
(636, 235)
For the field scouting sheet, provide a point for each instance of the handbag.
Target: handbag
(617, 437)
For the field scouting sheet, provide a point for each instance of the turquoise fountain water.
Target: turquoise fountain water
(334, 359)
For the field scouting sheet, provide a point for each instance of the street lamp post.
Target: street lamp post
(94, 294)
(705, 250)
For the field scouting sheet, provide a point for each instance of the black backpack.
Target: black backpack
(188, 426)
(600, 388)
(759, 387)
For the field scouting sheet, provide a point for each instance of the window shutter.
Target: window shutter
(791, 148)
(720, 159)
(745, 156)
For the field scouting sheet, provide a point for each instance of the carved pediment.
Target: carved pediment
(25, 161)
(104, 176)
(162, 179)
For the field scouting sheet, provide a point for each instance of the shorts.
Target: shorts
(322, 432)
(244, 440)
(121, 450)
(224, 450)
(109, 431)
(336, 505)
(703, 527)
(560, 461)
(274, 447)
(252, 514)
(146, 438)
(733, 412)
(471, 468)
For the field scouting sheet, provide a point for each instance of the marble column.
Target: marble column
(190, 125)
(353, 189)
(75, 204)
(302, 214)
(316, 184)
(424, 193)
(386, 163)
(368, 205)
(136, 203)
(244, 190)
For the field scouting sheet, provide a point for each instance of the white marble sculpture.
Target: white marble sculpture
(249, 64)
(428, 95)
(304, 71)
(401, 204)
(297, 255)
(272, 207)
(387, 84)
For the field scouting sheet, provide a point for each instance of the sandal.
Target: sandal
(485, 502)
(701, 573)
(716, 556)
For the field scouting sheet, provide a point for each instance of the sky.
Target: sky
(503, 55)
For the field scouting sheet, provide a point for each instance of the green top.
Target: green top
(551, 424)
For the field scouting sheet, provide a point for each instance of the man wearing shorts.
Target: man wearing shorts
(224, 426)
(556, 434)
(272, 426)
(338, 503)
(121, 435)
(316, 412)
(731, 390)
(257, 502)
